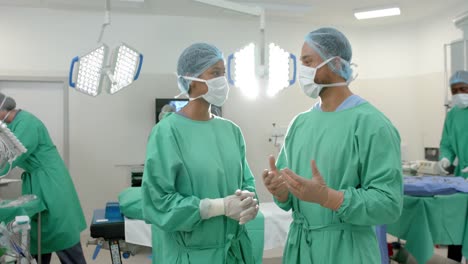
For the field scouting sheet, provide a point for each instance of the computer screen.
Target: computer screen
(174, 105)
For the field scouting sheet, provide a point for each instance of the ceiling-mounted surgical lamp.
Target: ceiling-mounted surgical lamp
(88, 72)
(279, 69)
(248, 66)
(243, 73)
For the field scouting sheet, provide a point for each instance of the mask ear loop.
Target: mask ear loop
(186, 93)
(353, 66)
(179, 95)
(326, 62)
(4, 99)
(182, 93)
(1, 105)
(6, 116)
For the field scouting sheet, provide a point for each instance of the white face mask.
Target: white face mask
(307, 80)
(218, 89)
(460, 100)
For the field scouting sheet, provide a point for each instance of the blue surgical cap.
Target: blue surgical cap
(459, 77)
(329, 42)
(195, 60)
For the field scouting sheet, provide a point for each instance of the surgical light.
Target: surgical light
(88, 77)
(278, 69)
(250, 68)
(245, 74)
(244, 71)
(374, 13)
(10, 148)
(89, 71)
(127, 66)
(92, 68)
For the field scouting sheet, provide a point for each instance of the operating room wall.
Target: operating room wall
(400, 71)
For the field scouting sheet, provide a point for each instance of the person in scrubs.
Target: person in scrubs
(454, 142)
(339, 169)
(46, 176)
(198, 190)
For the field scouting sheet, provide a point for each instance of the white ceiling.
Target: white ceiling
(308, 11)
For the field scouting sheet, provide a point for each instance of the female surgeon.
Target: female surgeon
(198, 189)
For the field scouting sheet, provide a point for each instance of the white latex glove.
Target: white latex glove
(444, 163)
(249, 214)
(249, 206)
(211, 208)
(465, 170)
(230, 206)
(244, 194)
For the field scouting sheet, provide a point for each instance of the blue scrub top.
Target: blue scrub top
(350, 102)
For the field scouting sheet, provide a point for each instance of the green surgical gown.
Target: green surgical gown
(46, 176)
(357, 152)
(187, 161)
(454, 142)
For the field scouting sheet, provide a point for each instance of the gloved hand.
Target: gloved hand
(274, 182)
(465, 170)
(314, 190)
(249, 206)
(211, 207)
(231, 206)
(244, 194)
(444, 163)
(249, 213)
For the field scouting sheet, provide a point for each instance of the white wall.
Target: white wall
(400, 72)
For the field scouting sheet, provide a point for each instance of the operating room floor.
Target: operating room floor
(270, 256)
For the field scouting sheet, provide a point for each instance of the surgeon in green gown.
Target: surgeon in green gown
(454, 142)
(198, 190)
(340, 167)
(46, 176)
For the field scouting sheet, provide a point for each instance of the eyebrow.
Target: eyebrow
(460, 87)
(305, 57)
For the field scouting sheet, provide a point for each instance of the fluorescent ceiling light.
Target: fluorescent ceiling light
(383, 12)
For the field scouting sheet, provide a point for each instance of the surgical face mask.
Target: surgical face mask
(218, 89)
(460, 100)
(307, 80)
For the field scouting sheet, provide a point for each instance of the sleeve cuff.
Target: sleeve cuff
(284, 205)
(345, 204)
